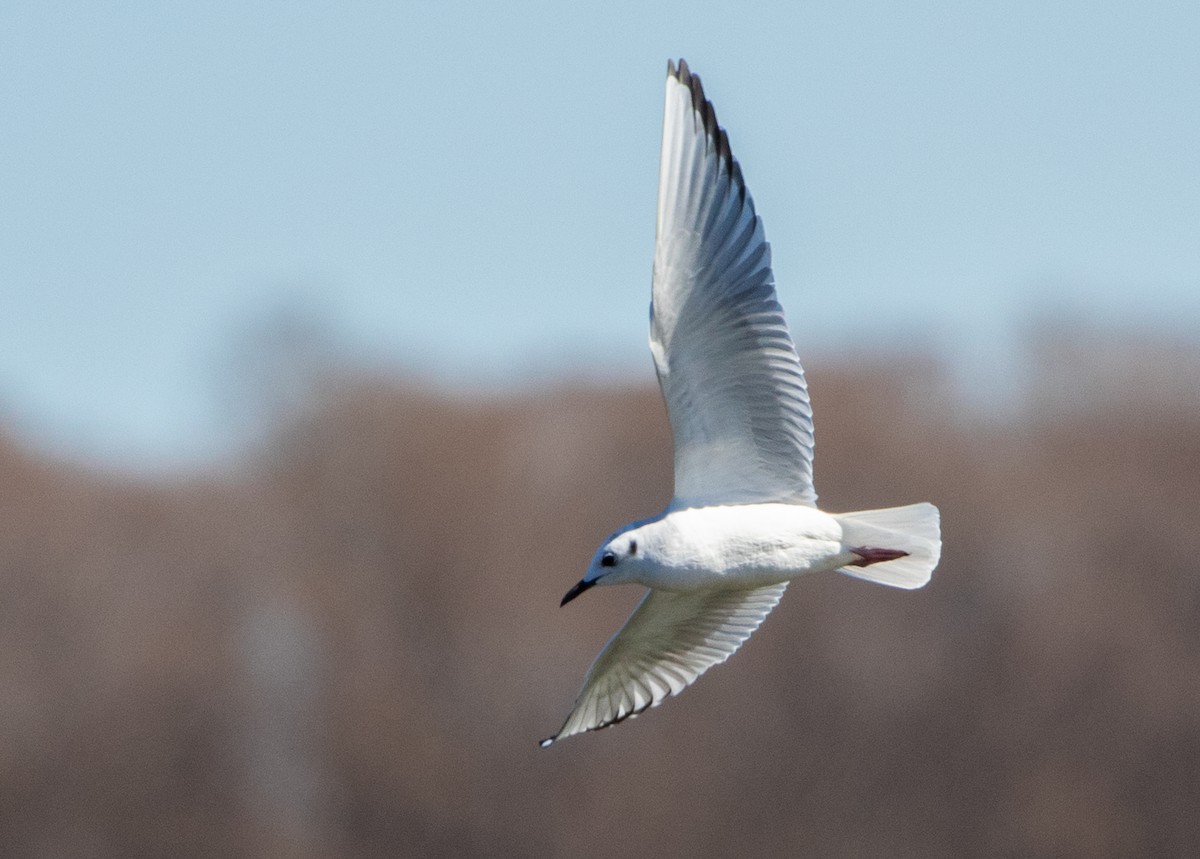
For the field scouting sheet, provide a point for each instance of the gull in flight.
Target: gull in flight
(743, 521)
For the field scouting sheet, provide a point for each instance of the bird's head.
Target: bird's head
(617, 561)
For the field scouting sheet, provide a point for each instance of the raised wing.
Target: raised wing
(735, 392)
(670, 639)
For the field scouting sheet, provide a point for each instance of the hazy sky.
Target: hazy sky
(467, 190)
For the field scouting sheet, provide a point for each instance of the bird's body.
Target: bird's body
(743, 522)
(730, 546)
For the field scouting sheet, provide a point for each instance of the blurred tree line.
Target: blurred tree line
(347, 641)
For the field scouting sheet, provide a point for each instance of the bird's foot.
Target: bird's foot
(870, 555)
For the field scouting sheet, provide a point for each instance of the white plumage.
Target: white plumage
(736, 394)
(743, 521)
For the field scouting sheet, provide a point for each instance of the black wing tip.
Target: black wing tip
(616, 720)
(708, 115)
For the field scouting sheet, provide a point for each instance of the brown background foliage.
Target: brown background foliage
(349, 642)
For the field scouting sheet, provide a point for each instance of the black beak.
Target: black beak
(582, 586)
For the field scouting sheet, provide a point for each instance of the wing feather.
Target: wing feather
(735, 391)
(670, 639)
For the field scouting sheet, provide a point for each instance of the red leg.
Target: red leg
(870, 555)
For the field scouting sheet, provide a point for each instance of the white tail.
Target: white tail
(915, 529)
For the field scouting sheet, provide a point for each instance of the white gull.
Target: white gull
(743, 521)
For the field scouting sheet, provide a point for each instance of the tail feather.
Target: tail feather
(915, 529)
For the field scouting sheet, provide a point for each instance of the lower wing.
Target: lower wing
(671, 638)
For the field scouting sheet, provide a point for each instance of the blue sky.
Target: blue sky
(466, 191)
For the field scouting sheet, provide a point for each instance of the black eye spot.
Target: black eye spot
(608, 559)
(633, 547)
